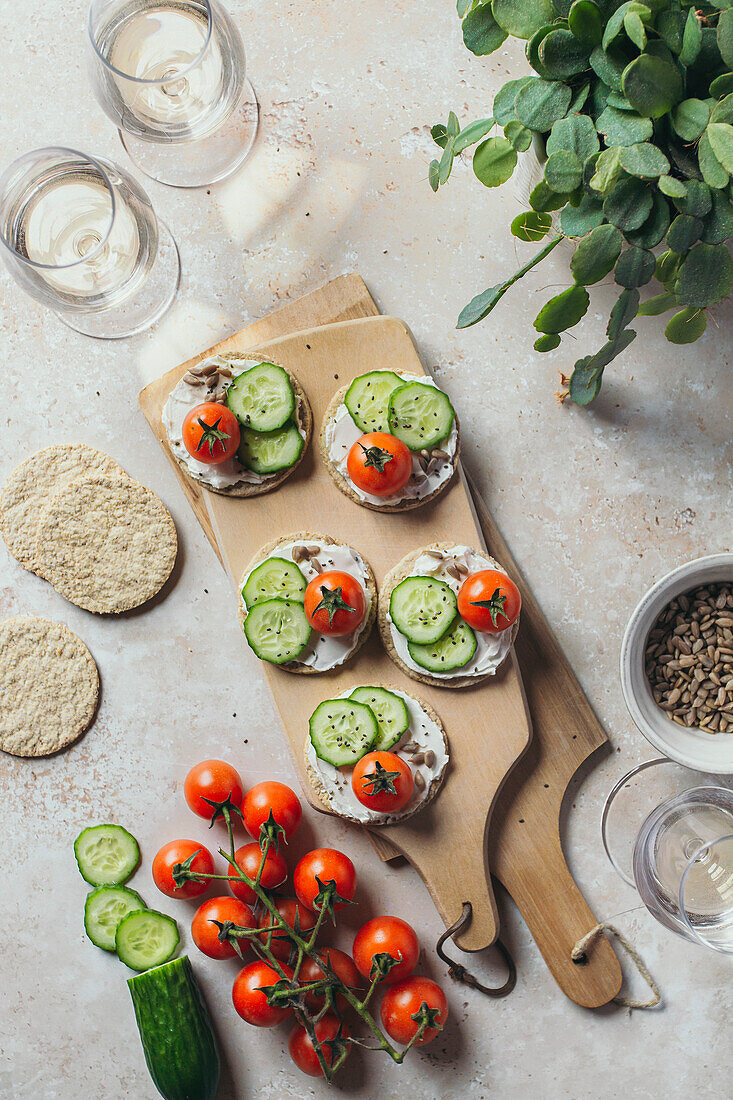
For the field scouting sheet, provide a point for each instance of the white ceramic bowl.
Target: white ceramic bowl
(693, 748)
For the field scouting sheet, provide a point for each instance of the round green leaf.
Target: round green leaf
(634, 28)
(519, 135)
(686, 326)
(532, 50)
(472, 133)
(697, 199)
(585, 381)
(609, 66)
(629, 204)
(563, 311)
(671, 25)
(575, 133)
(675, 188)
(547, 342)
(652, 85)
(543, 198)
(691, 39)
(635, 267)
(667, 267)
(576, 221)
(596, 255)
(725, 36)
(652, 231)
(607, 169)
(712, 170)
(684, 232)
(522, 17)
(720, 135)
(505, 98)
(643, 159)
(706, 276)
(494, 161)
(623, 127)
(563, 171)
(722, 86)
(586, 23)
(562, 56)
(481, 33)
(540, 103)
(690, 117)
(718, 224)
(531, 226)
(722, 111)
(623, 313)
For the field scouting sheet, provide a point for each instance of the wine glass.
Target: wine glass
(171, 75)
(80, 235)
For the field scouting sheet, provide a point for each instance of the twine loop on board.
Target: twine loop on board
(458, 972)
(580, 957)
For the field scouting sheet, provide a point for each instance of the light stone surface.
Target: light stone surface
(595, 505)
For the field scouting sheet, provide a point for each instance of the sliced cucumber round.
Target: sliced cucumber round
(262, 397)
(106, 854)
(423, 608)
(341, 731)
(454, 650)
(270, 452)
(367, 399)
(277, 630)
(421, 416)
(274, 577)
(146, 938)
(104, 909)
(390, 711)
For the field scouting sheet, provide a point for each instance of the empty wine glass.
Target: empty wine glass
(171, 75)
(80, 235)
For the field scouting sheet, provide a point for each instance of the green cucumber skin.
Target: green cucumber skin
(176, 1031)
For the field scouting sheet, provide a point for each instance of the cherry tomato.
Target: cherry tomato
(213, 780)
(210, 433)
(178, 851)
(249, 1000)
(206, 935)
(301, 1046)
(388, 936)
(271, 797)
(379, 464)
(249, 857)
(329, 866)
(402, 1001)
(287, 908)
(335, 603)
(489, 601)
(383, 782)
(343, 966)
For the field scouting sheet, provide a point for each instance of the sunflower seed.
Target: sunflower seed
(429, 758)
(417, 758)
(420, 781)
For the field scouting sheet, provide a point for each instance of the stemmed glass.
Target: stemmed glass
(80, 235)
(171, 75)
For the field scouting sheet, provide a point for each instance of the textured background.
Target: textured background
(595, 505)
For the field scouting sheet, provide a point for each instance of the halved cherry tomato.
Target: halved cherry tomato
(335, 603)
(178, 851)
(403, 1001)
(489, 601)
(379, 464)
(342, 965)
(302, 1051)
(387, 936)
(328, 865)
(249, 857)
(213, 780)
(273, 798)
(288, 908)
(382, 781)
(205, 933)
(249, 1000)
(210, 433)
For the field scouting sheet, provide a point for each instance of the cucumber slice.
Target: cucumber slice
(146, 938)
(262, 397)
(270, 452)
(277, 630)
(390, 711)
(454, 650)
(367, 399)
(423, 608)
(106, 854)
(341, 731)
(275, 577)
(421, 416)
(104, 909)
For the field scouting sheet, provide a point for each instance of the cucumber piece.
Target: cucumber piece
(262, 397)
(104, 909)
(342, 730)
(423, 608)
(277, 630)
(421, 416)
(176, 1031)
(390, 711)
(106, 854)
(275, 577)
(270, 452)
(367, 399)
(454, 650)
(146, 938)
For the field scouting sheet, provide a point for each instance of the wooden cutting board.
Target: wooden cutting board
(524, 839)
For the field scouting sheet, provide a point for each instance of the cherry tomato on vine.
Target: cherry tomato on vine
(178, 851)
(379, 464)
(249, 1000)
(249, 857)
(273, 798)
(287, 908)
(335, 603)
(301, 1046)
(489, 601)
(404, 1000)
(342, 965)
(386, 936)
(382, 781)
(205, 933)
(328, 865)
(215, 780)
(210, 433)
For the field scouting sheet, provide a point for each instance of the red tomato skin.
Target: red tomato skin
(344, 622)
(397, 470)
(382, 801)
(215, 780)
(481, 586)
(287, 908)
(205, 934)
(250, 1003)
(403, 1000)
(249, 857)
(177, 851)
(301, 1047)
(327, 864)
(191, 433)
(343, 966)
(279, 798)
(390, 935)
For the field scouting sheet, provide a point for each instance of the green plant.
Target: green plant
(631, 107)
